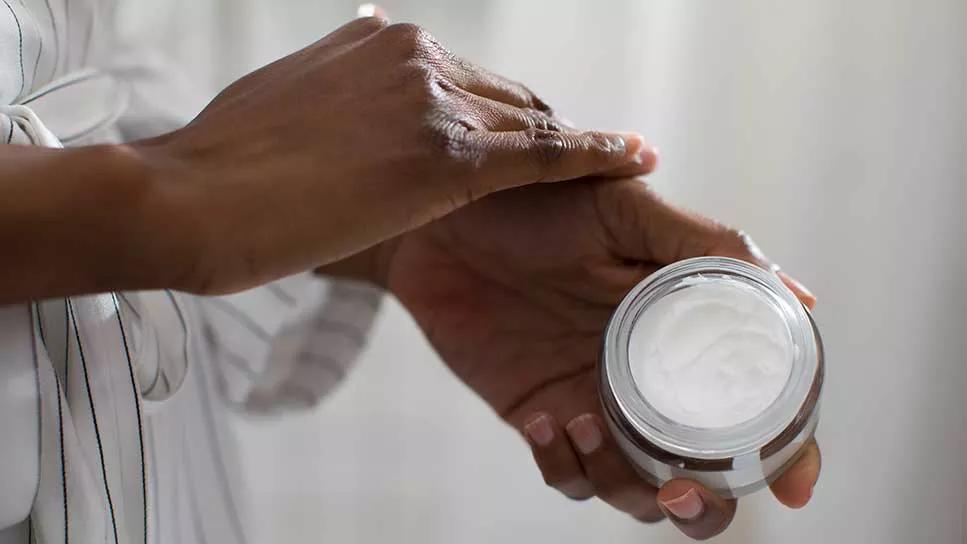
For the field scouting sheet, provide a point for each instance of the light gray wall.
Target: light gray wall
(834, 132)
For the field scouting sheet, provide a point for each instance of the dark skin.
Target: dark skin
(274, 176)
(370, 132)
(514, 293)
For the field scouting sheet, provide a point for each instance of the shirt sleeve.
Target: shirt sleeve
(20, 125)
(288, 344)
(19, 415)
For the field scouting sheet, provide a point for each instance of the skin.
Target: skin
(514, 293)
(299, 164)
(513, 289)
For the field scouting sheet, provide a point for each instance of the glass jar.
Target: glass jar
(733, 460)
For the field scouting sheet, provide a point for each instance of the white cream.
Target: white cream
(712, 354)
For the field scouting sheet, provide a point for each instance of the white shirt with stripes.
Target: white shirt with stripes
(114, 408)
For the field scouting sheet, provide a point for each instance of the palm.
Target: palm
(514, 292)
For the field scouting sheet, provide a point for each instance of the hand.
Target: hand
(514, 292)
(370, 132)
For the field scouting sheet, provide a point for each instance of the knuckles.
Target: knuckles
(738, 244)
(405, 32)
(407, 41)
(368, 24)
(540, 120)
(417, 77)
(449, 138)
(604, 147)
(547, 146)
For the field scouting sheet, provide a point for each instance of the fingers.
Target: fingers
(483, 83)
(739, 245)
(701, 514)
(795, 487)
(632, 170)
(498, 116)
(532, 154)
(506, 106)
(486, 84)
(644, 227)
(555, 457)
(800, 290)
(613, 479)
(583, 460)
(696, 511)
(370, 19)
(356, 30)
(499, 129)
(512, 159)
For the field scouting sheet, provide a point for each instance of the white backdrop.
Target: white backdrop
(835, 132)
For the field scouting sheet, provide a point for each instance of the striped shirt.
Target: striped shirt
(115, 408)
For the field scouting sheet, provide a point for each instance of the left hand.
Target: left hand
(514, 292)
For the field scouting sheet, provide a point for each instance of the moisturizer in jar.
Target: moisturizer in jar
(712, 370)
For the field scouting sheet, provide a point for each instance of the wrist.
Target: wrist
(165, 238)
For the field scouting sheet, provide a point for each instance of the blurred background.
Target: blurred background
(834, 132)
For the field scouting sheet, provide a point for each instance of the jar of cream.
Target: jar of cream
(712, 370)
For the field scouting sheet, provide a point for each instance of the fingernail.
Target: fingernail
(686, 507)
(539, 430)
(647, 157)
(638, 150)
(632, 142)
(807, 297)
(585, 434)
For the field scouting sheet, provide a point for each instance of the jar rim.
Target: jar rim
(745, 438)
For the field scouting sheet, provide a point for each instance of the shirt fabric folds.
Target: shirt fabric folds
(115, 408)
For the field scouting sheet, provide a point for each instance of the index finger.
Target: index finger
(517, 96)
(512, 159)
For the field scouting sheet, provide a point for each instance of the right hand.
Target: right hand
(368, 133)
